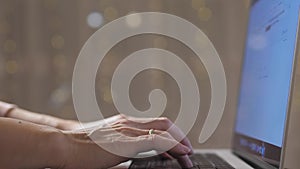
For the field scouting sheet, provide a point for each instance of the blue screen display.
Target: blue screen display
(267, 70)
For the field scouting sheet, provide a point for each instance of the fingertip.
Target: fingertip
(187, 142)
(186, 150)
(185, 161)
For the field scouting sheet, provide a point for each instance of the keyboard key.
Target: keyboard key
(200, 161)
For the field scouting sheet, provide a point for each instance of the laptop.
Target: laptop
(264, 115)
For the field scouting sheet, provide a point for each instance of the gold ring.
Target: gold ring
(151, 131)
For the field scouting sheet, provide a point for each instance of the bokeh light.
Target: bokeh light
(110, 13)
(60, 95)
(60, 61)
(204, 14)
(94, 19)
(106, 95)
(9, 46)
(11, 67)
(133, 21)
(105, 3)
(57, 42)
(197, 4)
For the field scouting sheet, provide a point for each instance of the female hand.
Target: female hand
(160, 123)
(124, 138)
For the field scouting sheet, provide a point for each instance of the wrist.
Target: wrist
(67, 124)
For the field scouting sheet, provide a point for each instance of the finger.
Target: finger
(163, 144)
(162, 123)
(89, 126)
(133, 132)
(185, 161)
(167, 155)
(119, 130)
(131, 146)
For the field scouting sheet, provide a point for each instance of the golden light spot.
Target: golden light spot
(133, 20)
(155, 5)
(204, 14)
(160, 42)
(59, 95)
(196, 4)
(107, 95)
(11, 67)
(4, 27)
(60, 61)
(110, 13)
(57, 42)
(9, 46)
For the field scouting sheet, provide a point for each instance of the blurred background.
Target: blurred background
(41, 39)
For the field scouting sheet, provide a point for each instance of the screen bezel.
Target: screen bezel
(250, 157)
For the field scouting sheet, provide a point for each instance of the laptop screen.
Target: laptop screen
(266, 78)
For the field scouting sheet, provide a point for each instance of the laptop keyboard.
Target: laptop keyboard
(200, 161)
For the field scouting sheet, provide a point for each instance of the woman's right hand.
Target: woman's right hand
(111, 145)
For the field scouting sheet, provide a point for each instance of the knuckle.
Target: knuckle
(124, 121)
(166, 122)
(122, 129)
(166, 134)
